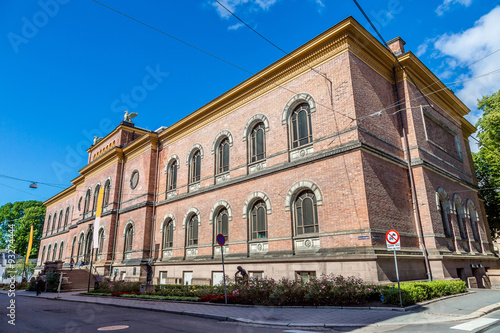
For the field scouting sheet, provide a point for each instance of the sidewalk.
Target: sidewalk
(465, 307)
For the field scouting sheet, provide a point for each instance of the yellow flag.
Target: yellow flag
(97, 220)
(29, 245)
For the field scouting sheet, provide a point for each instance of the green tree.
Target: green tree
(22, 215)
(487, 160)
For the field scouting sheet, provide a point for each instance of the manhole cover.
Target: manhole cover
(113, 328)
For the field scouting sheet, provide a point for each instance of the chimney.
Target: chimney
(397, 46)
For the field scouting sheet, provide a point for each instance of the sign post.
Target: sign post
(393, 244)
(222, 240)
(95, 233)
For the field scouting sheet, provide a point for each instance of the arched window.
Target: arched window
(305, 214)
(43, 256)
(47, 228)
(100, 243)
(257, 143)
(223, 156)
(459, 207)
(49, 252)
(258, 220)
(192, 231)
(444, 207)
(88, 245)
(172, 176)
(60, 220)
(54, 221)
(55, 252)
(473, 222)
(129, 235)
(221, 224)
(66, 218)
(168, 234)
(107, 190)
(73, 247)
(96, 196)
(86, 206)
(300, 125)
(195, 167)
(61, 247)
(81, 246)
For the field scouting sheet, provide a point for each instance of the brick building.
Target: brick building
(304, 167)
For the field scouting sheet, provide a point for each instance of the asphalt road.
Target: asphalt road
(45, 315)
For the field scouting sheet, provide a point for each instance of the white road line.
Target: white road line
(298, 331)
(474, 324)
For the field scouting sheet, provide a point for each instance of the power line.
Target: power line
(32, 181)
(21, 190)
(211, 54)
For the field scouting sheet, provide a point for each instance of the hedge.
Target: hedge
(414, 292)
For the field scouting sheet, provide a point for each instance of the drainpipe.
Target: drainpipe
(117, 215)
(155, 196)
(412, 184)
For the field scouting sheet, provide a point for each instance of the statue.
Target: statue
(128, 116)
(243, 273)
(149, 275)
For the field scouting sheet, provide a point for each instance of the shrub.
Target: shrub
(32, 285)
(414, 292)
(118, 287)
(52, 281)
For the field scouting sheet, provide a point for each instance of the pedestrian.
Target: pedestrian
(39, 286)
(71, 263)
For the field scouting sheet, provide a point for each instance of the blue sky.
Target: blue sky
(71, 67)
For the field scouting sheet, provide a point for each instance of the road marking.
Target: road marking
(299, 331)
(474, 324)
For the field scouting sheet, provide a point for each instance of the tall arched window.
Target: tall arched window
(305, 214)
(257, 143)
(54, 221)
(107, 191)
(192, 231)
(100, 244)
(195, 167)
(73, 247)
(66, 218)
(86, 206)
(459, 207)
(49, 252)
(129, 237)
(88, 245)
(300, 125)
(172, 176)
(61, 248)
(96, 196)
(81, 246)
(54, 252)
(223, 156)
(59, 223)
(47, 228)
(473, 222)
(168, 234)
(43, 256)
(444, 207)
(221, 224)
(258, 220)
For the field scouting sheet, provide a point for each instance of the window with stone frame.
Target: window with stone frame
(257, 143)
(54, 252)
(66, 218)
(305, 214)
(73, 248)
(172, 176)
(473, 222)
(222, 156)
(54, 221)
(107, 193)
(129, 235)
(81, 246)
(47, 228)
(59, 223)
(88, 245)
(49, 252)
(195, 167)
(86, 206)
(100, 244)
(300, 126)
(43, 256)
(192, 231)
(460, 218)
(96, 197)
(258, 220)
(444, 207)
(305, 276)
(61, 248)
(168, 234)
(222, 224)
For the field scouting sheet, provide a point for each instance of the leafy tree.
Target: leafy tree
(487, 160)
(22, 215)
(20, 269)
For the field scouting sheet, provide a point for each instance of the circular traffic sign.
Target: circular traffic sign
(221, 239)
(392, 236)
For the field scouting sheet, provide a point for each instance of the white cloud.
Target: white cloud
(235, 26)
(464, 48)
(445, 6)
(422, 48)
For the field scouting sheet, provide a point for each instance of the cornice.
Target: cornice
(126, 128)
(147, 141)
